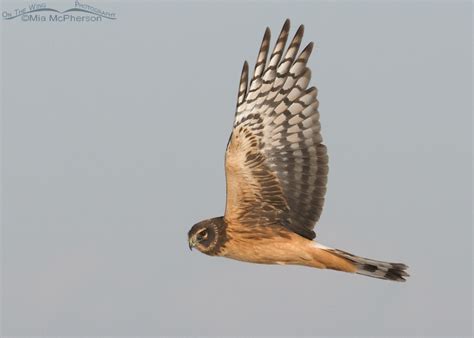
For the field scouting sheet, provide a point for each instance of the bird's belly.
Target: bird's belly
(277, 250)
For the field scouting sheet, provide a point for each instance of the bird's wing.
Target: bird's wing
(276, 164)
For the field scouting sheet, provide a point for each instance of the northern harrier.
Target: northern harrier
(276, 172)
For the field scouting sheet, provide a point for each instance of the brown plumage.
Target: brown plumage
(276, 171)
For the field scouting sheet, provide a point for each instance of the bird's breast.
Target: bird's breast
(265, 245)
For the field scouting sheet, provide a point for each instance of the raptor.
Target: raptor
(276, 171)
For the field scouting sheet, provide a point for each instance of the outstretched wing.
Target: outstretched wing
(276, 165)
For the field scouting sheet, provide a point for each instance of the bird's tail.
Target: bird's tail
(369, 267)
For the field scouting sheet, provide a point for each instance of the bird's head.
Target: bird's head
(208, 236)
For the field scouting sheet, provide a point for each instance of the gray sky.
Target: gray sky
(113, 146)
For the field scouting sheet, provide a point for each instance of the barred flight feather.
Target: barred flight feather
(276, 163)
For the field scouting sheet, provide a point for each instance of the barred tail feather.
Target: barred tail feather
(370, 267)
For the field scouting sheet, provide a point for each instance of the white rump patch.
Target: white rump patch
(320, 246)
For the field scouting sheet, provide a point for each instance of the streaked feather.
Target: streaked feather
(276, 164)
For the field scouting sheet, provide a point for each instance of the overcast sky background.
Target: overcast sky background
(113, 140)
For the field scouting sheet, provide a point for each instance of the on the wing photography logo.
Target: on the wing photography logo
(41, 12)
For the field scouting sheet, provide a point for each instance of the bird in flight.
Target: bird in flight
(276, 171)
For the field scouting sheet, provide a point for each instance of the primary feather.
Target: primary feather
(276, 164)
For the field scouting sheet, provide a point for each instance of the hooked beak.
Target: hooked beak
(191, 243)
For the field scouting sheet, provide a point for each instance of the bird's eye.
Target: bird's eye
(202, 235)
